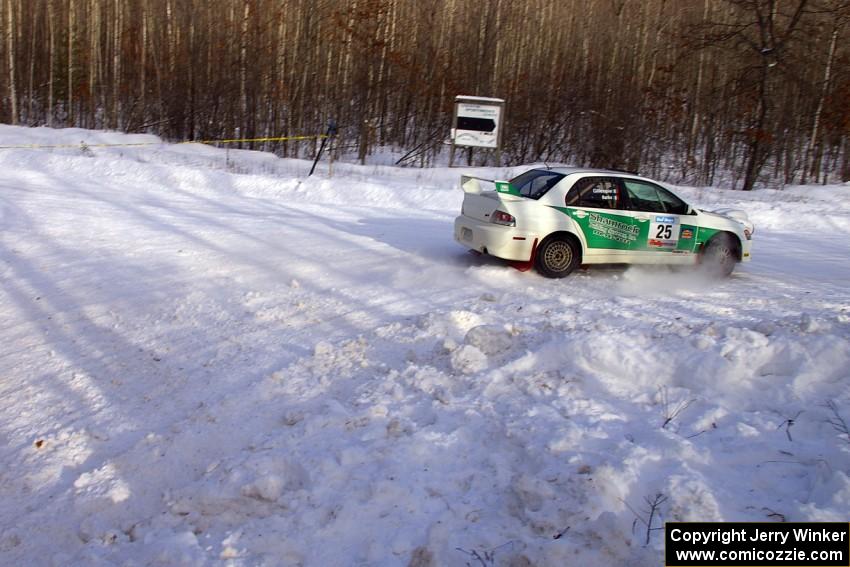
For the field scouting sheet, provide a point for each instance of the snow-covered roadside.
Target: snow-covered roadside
(203, 367)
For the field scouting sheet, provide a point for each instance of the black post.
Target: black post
(330, 133)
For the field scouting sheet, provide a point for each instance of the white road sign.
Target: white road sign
(477, 122)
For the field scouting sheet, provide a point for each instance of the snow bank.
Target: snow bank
(209, 359)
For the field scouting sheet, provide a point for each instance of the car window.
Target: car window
(644, 197)
(535, 183)
(652, 198)
(672, 203)
(595, 192)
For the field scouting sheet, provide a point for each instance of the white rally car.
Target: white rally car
(557, 219)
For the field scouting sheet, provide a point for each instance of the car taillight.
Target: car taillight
(503, 218)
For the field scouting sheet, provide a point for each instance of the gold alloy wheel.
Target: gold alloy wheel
(558, 256)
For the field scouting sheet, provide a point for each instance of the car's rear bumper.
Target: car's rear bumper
(488, 238)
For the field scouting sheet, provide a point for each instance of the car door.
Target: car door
(596, 204)
(660, 218)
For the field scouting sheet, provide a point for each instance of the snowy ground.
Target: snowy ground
(206, 359)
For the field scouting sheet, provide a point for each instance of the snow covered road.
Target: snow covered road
(206, 359)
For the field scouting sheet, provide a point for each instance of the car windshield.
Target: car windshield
(535, 183)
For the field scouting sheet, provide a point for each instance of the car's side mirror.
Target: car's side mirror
(691, 211)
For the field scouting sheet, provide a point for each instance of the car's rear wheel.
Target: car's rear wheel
(557, 256)
(720, 256)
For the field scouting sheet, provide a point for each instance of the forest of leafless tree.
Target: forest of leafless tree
(687, 90)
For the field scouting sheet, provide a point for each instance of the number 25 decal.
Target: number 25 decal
(665, 231)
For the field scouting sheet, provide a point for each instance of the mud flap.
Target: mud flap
(528, 264)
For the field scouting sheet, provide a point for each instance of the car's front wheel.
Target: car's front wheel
(557, 256)
(720, 256)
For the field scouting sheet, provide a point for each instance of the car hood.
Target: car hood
(733, 218)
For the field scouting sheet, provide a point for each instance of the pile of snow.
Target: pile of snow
(208, 358)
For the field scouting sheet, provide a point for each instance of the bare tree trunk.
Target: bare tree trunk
(94, 60)
(143, 107)
(192, 114)
(770, 45)
(116, 66)
(31, 75)
(243, 64)
(71, 42)
(52, 61)
(497, 56)
(695, 119)
(10, 49)
(813, 153)
(756, 134)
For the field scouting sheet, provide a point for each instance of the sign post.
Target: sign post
(332, 128)
(477, 123)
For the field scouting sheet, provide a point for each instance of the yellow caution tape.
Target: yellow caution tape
(233, 141)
